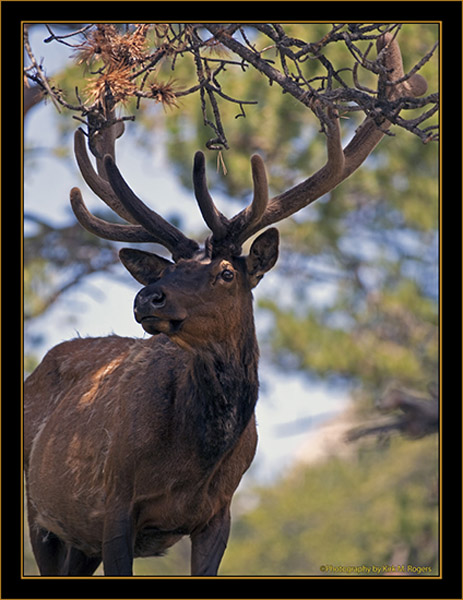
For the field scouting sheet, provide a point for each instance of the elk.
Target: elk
(131, 444)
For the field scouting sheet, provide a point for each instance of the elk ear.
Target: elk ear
(263, 255)
(144, 266)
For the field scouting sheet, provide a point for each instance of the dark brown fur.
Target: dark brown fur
(131, 444)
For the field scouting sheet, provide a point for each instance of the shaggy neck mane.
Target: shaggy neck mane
(223, 388)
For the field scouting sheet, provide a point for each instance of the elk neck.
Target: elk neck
(225, 384)
(217, 393)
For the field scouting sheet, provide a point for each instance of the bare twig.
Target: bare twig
(129, 68)
(419, 415)
(59, 38)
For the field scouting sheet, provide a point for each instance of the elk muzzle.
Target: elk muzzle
(157, 312)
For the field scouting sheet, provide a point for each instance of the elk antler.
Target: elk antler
(214, 219)
(229, 234)
(105, 230)
(108, 184)
(172, 238)
(341, 163)
(97, 182)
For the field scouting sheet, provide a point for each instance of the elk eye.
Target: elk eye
(227, 275)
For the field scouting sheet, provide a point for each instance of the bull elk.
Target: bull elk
(131, 444)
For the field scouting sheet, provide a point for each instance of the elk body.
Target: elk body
(131, 444)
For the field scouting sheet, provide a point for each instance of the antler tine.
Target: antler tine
(263, 211)
(104, 142)
(228, 235)
(368, 135)
(416, 85)
(95, 181)
(251, 216)
(214, 219)
(103, 229)
(108, 184)
(342, 163)
(172, 238)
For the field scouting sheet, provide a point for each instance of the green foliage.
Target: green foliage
(343, 513)
(36, 282)
(372, 247)
(389, 339)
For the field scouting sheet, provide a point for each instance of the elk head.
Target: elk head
(197, 298)
(197, 301)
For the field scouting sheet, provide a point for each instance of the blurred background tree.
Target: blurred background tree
(355, 302)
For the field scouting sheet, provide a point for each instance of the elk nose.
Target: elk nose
(148, 300)
(157, 298)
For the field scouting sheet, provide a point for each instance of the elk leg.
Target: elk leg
(78, 563)
(54, 557)
(118, 547)
(49, 550)
(208, 545)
